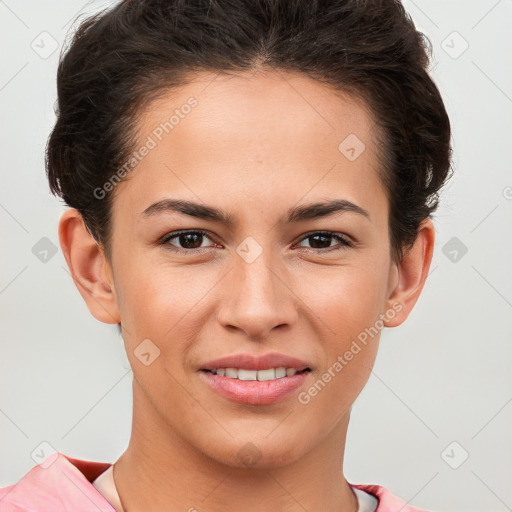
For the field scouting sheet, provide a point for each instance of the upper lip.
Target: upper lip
(253, 362)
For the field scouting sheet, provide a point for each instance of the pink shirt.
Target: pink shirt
(64, 484)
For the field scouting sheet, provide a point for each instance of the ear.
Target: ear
(410, 275)
(89, 268)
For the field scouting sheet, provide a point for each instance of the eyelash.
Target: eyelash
(345, 242)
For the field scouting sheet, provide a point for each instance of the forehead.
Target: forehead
(260, 103)
(273, 133)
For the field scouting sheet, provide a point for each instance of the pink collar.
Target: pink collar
(64, 484)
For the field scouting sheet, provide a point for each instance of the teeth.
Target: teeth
(280, 372)
(243, 374)
(247, 374)
(232, 372)
(269, 374)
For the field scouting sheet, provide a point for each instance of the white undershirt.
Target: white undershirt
(106, 486)
(367, 502)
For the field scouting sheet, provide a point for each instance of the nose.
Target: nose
(257, 297)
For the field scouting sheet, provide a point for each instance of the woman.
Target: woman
(251, 184)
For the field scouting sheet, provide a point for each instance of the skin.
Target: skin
(256, 145)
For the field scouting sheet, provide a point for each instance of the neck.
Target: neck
(161, 470)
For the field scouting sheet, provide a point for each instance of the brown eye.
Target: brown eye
(321, 240)
(188, 240)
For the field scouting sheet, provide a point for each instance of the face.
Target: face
(312, 287)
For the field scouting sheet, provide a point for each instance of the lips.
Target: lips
(255, 380)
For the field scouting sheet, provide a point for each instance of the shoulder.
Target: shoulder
(388, 502)
(56, 484)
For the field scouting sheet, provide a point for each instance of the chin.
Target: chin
(259, 453)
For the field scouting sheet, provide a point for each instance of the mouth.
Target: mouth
(255, 387)
(256, 379)
(258, 375)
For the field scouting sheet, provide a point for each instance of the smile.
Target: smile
(268, 374)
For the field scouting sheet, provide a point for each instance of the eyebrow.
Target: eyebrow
(294, 214)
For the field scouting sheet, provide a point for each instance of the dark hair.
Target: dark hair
(121, 59)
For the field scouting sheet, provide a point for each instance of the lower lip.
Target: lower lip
(254, 392)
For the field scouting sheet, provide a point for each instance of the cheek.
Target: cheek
(167, 305)
(347, 335)
(346, 303)
(347, 299)
(155, 295)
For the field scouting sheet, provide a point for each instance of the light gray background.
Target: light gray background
(442, 377)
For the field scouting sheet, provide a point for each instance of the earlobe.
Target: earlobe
(412, 274)
(88, 266)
